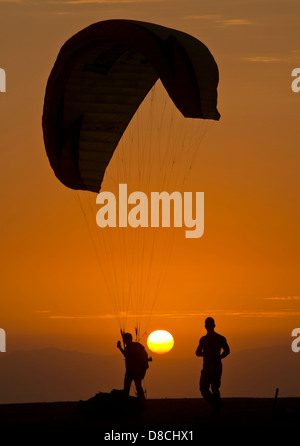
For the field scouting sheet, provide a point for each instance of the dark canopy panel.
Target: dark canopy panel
(101, 76)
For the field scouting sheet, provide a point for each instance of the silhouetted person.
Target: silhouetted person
(213, 347)
(136, 362)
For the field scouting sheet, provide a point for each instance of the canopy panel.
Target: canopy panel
(101, 76)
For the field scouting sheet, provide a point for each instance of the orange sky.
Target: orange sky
(245, 269)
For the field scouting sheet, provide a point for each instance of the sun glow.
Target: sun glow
(160, 341)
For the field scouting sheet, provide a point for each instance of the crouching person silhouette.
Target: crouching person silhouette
(136, 362)
(213, 348)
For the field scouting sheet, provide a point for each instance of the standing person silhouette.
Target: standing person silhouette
(136, 362)
(209, 348)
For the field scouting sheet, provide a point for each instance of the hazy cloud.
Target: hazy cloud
(183, 315)
(283, 298)
(220, 19)
(86, 316)
(264, 59)
(234, 22)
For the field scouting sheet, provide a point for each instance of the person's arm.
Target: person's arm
(226, 349)
(200, 350)
(120, 348)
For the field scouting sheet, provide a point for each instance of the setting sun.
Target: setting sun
(160, 341)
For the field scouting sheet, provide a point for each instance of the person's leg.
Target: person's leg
(204, 386)
(127, 383)
(215, 387)
(139, 389)
(215, 391)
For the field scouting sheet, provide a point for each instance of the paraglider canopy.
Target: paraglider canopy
(101, 76)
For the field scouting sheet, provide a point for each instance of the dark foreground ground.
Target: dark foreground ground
(160, 414)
